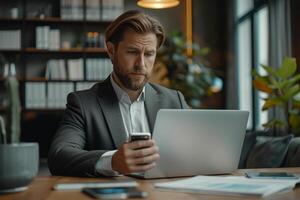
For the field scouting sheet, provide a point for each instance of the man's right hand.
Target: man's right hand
(137, 156)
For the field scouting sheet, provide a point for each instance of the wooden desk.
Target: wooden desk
(41, 189)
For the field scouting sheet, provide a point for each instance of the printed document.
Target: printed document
(229, 185)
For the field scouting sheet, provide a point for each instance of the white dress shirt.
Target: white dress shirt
(134, 120)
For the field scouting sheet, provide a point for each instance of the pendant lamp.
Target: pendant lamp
(157, 4)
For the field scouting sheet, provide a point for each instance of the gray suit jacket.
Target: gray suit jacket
(92, 124)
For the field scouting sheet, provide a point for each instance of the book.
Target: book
(56, 70)
(230, 185)
(93, 10)
(112, 9)
(75, 69)
(10, 39)
(71, 9)
(54, 39)
(35, 95)
(57, 93)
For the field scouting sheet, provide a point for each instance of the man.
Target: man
(93, 137)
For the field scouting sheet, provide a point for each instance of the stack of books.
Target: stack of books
(71, 9)
(73, 69)
(10, 39)
(93, 10)
(112, 9)
(52, 95)
(98, 69)
(47, 38)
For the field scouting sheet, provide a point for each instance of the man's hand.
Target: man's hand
(137, 156)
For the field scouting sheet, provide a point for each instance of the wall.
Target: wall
(209, 29)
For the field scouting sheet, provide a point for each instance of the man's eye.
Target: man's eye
(149, 54)
(132, 52)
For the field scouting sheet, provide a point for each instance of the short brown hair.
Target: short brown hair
(136, 21)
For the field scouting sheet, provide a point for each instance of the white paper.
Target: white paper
(78, 186)
(229, 185)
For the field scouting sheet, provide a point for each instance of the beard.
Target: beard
(128, 81)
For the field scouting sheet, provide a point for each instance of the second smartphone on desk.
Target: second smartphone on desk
(114, 193)
(270, 175)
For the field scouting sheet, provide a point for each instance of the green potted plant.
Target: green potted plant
(186, 73)
(18, 161)
(283, 92)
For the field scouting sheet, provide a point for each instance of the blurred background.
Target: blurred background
(54, 47)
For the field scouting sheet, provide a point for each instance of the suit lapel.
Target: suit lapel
(152, 104)
(110, 107)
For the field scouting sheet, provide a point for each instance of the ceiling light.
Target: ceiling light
(158, 4)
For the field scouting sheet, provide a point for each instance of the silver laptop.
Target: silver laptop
(193, 142)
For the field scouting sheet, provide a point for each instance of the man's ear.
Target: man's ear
(110, 49)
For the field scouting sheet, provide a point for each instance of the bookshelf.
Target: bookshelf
(79, 27)
(57, 46)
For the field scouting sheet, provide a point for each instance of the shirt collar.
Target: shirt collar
(122, 95)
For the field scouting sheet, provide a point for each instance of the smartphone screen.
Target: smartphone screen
(114, 193)
(272, 175)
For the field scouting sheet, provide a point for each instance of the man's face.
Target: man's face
(133, 59)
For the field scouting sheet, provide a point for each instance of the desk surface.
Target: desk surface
(41, 189)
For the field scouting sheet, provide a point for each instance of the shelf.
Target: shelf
(71, 50)
(10, 50)
(43, 110)
(95, 50)
(41, 79)
(59, 20)
(3, 19)
(2, 79)
(3, 110)
(52, 20)
(35, 79)
(56, 20)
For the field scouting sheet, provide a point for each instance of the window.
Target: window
(261, 18)
(244, 68)
(252, 50)
(244, 6)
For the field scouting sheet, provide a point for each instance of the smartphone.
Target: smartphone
(140, 136)
(114, 193)
(271, 175)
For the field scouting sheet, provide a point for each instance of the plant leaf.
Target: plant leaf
(287, 68)
(272, 102)
(297, 97)
(295, 78)
(292, 91)
(294, 120)
(270, 70)
(255, 74)
(273, 82)
(284, 85)
(262, 86)
(274, 123)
